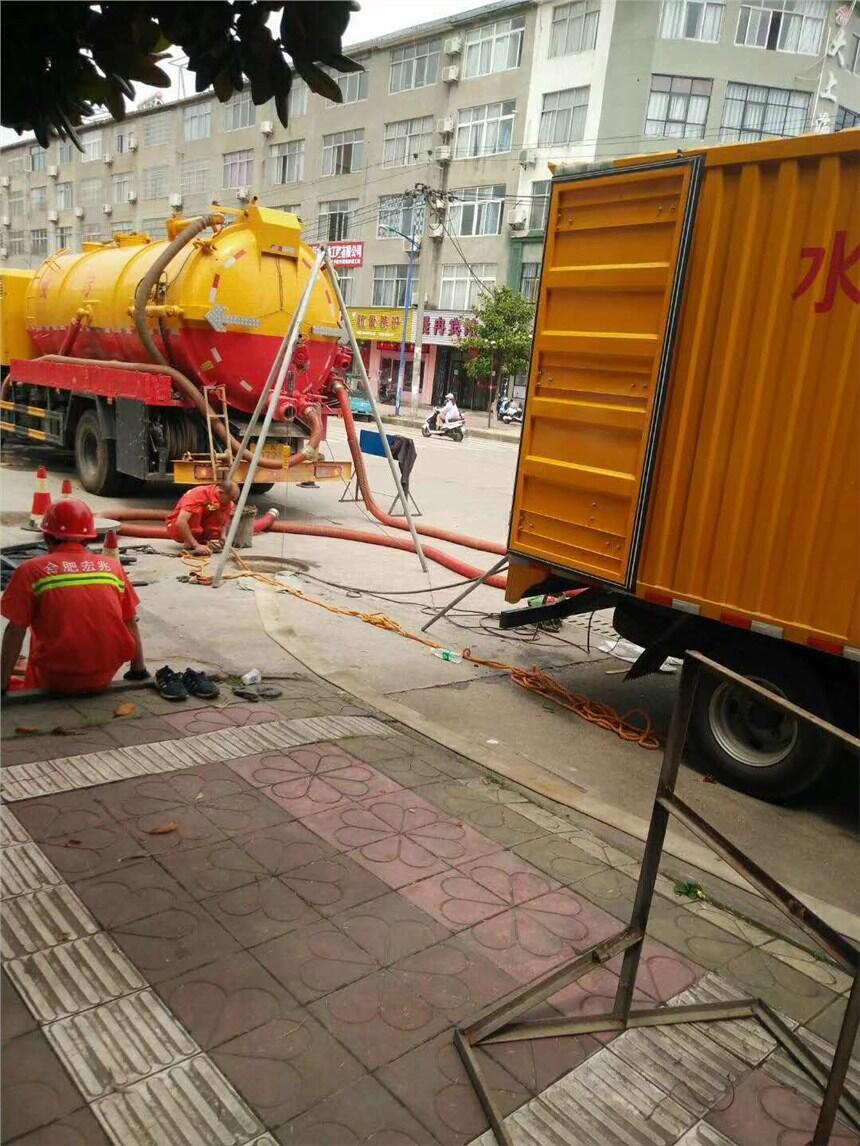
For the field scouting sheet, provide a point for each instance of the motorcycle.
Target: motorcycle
(513, 413)
(455, 430)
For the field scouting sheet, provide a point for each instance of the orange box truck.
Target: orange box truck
(691, 443)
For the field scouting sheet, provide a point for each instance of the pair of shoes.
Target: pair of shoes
(179, 686)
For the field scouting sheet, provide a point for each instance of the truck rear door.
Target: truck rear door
(613, 270)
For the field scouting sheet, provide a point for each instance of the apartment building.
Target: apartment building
(475, 106)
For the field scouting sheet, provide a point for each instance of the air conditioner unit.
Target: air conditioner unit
(176, 200)
(108, 208)
(3, 253)
(266, 127)
(4, 180)
(53, 171)
(451, 74)
(528, 157)
(442, 153)
(436, 230)
(79, 212)
(6, 221)
(445, 125)
(243, 193)
(132, 143)
(52, 216)
(517, 222)
(132, 196)
(108, 159)
(453, 45)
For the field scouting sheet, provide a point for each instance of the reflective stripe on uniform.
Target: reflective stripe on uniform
(73, 580)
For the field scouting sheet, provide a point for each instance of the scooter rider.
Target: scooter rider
(448, 414)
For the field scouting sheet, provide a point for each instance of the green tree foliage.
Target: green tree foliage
(62, 62)
(501, 333)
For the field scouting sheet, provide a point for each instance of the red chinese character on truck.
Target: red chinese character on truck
(841, 262)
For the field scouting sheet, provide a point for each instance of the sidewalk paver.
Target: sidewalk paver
(258, 925)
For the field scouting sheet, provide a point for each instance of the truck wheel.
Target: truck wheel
(95, 458)
(749, 744)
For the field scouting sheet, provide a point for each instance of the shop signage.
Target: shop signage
(445, 327)
(379, 323)
(345, 254)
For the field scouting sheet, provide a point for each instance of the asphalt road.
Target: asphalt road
(811, 845)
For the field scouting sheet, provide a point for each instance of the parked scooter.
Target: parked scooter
(513, 413)
(433, 428)
(502, 403)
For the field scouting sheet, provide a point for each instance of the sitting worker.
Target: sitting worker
(202, 516)
(80, 609)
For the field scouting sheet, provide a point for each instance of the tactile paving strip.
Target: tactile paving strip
(33, 922)
(69, 773)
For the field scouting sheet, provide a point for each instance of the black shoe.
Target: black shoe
(199, 684)
(170, 684)
(136, 674)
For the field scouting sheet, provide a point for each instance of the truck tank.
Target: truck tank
(223, 303)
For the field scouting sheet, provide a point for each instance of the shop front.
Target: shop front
(379, 331)
(443, 330)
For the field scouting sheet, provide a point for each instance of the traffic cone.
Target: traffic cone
(66, 488)
(41, 498)
(110, 547)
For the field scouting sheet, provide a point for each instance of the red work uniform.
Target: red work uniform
(76, 605)
(207, 515)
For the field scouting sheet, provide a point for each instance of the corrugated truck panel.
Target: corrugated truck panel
(754, 504)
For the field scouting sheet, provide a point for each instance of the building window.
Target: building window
(346, 281)
(485, 130)
(335, 219)
(529, 279)
(408, 141)
(678, 105)
(64, 238)
(38, 198)
(122, 228)
(462, 286)
(153, 227)
(120, 187)
(65, 151)
(692, 20)
(574, 27)
(562, 118)
(155, 181)
(37, 159)
(90, 193)
(343, 152)
(478, 210)
(414, 66)
(194, 177)
(353, 85)
(92, 145)
(197, 121)
(396, 216)
(494, 47)
(540, 205)
(121, 141)
(239, 111)
(16, 204)
(287, 161)
(846, 118)
(238, 169)
(752, 112)
(91, 233)
(16, 165)
(39, 241)
(156, 130)
(15, 243)
(782, 25)
(298, 104)
(65, 196)
(389, 285)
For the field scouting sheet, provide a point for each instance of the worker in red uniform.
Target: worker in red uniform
(201, 517)
(80, 609)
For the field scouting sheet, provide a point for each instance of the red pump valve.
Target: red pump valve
(342, 358)
(301, 359)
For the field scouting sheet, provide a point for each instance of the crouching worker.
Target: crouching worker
(201, 517)
(80, 609)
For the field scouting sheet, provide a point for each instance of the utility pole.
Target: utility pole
(419, 214)
(414, 239)
(492, 385)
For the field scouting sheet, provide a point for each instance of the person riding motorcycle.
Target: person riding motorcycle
(448, 414)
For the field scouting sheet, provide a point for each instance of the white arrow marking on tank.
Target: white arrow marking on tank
(219, 318)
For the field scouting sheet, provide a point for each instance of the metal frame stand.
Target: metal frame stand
(470, 588)
(416, 512)
(271, 390)
(498, 1023)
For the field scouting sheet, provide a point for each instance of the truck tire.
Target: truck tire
(750, 745)
(95, 458)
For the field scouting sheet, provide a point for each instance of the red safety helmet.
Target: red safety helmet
(69, 520)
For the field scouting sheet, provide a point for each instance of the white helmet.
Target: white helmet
(449, 397)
